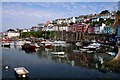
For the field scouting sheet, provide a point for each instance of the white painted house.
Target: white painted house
(11, 34)
(48, 28)
(72, 19)
(25, 30)
(105, 16)
(41, 26)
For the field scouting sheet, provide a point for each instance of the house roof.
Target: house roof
(11, 30)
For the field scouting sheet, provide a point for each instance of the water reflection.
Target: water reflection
(74, 57)
(74, 61)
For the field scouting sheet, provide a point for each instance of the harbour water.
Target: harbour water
(42, 64)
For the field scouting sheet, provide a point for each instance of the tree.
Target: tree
(46, 34)
(109, 21)
(71, 23)
(118, 12)
(54, 22)
(10, 30)
(26, 34)
(105, 12)
(101, 20)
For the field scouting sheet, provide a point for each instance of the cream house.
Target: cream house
(11, 33)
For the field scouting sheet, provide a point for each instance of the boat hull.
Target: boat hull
(20, 76)
(28, 46)
(6, 45)
(21, 72)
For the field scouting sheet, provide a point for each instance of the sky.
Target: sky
(59, 0)
(27, 14)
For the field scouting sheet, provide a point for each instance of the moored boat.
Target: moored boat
(76, 51)
(11, 43)
(35, 45)
(46, 44)
(59, 42)
(30, 46)
(63, 45)
(19, 43)
(93, 46)
(6, 44)
(111, 53)
(78, 44)
(58, 53)
(21, 72)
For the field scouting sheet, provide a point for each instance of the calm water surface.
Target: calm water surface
(42, 64)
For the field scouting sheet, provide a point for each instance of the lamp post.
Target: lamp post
(44, 35)
(72, 37)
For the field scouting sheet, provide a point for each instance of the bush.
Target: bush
(45, 34)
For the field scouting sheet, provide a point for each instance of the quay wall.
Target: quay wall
(78, 36)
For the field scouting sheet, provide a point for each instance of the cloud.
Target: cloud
(18, 16)
(60, 0)
(32, 13)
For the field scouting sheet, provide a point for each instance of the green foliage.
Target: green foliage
(54, 22)
(105, 12)
(26, 34)
(118, 12)
(52, 34)
(109, 21)
(44, 34)
(71, 23)
(95, 22)
(101, 20)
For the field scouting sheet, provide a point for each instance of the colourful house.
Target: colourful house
(107, 30)
(76, 28)
(97, 29)
(91, 29)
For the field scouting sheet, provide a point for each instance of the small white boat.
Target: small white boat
(19, 43)
(46, 45)
(90, 51)
(93, 46)
(111, 53)
(63, 45)
(46, 42)
(76, 51)
(60, 56)
(78, 44)
(21, 72)
(58, 53)
(28, 42)
(12, 43)
(6, 44)
(59, 42)
(83, 50)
